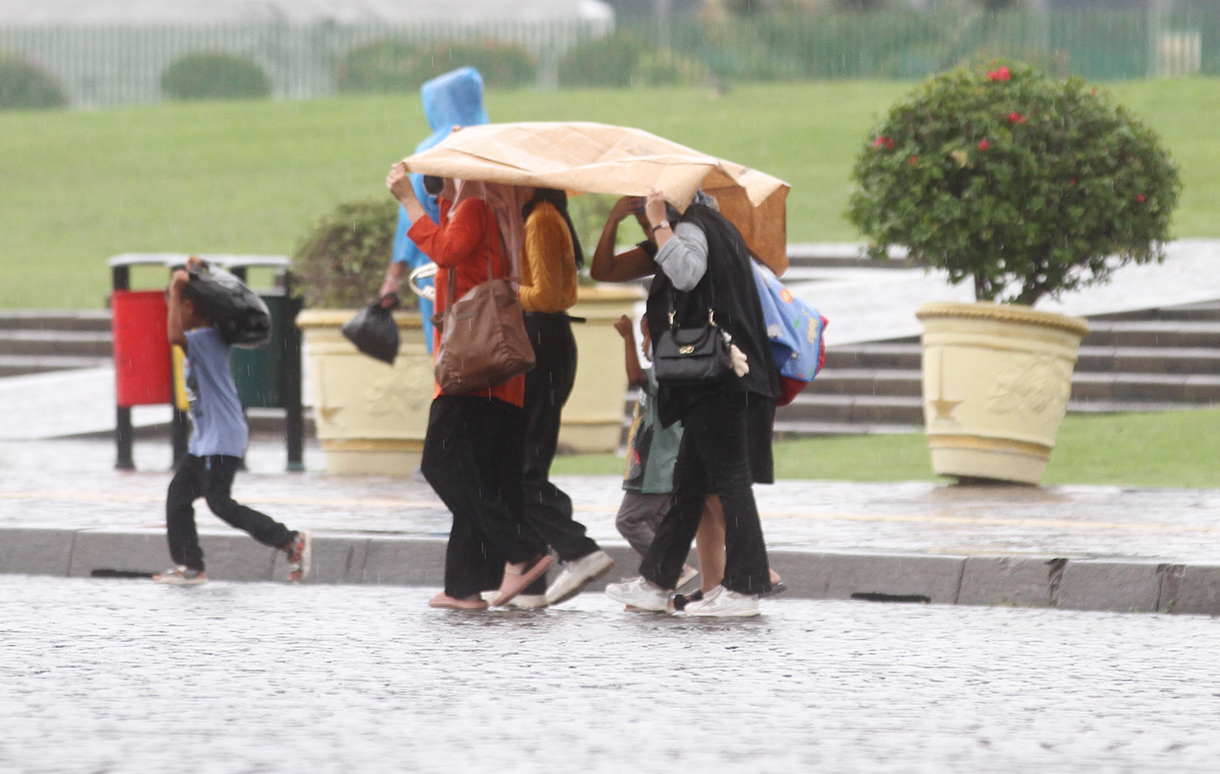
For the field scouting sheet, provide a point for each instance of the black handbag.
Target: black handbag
(683, 357)
(374, 332)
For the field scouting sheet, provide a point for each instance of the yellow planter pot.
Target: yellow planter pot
(996, 382)
(370, 417)
(593, 417)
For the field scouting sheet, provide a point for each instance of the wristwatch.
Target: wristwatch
(662, 224)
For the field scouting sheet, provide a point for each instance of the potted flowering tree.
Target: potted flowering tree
(1027, 186)
(370, 416)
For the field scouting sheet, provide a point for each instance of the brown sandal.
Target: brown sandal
(513, 584)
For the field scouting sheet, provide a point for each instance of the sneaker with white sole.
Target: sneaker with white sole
(181, 576)
(640, 594)
(723, 603)
(300, 556)
(577, 574)
(522, 601)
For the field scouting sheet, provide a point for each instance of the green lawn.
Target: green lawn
(1171, 449)
(77, 187)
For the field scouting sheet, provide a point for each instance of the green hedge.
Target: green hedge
(215, 76)
(392, 66)
(23, 85)
(341, 262)
(624, 59)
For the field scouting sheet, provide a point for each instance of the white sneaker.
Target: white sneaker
(577, 574)
(640, 594)
(181, 576)
(723, 603)
(523, 601)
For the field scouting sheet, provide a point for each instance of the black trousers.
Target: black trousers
(472, 457)
(714, 458)
(211, 478)
(548, 509)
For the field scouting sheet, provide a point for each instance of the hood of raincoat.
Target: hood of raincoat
(455, 98)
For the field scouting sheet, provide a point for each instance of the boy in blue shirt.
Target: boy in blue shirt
(218, 443)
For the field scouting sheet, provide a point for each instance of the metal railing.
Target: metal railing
(120, 65)
(101, 66)
(1098, 45)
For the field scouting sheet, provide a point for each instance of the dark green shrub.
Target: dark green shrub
(1027, 184)
(502, 65)
(23, 85)
(386, 66)
(622, 60)
(608, 61)
(215, 76)
(341, 262)
(391, 66)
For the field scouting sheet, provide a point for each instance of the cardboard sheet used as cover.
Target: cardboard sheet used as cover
(585, 157)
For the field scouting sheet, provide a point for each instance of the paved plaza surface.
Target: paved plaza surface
(122, 676)
(847, 671)
(64, 510)
(72, 484)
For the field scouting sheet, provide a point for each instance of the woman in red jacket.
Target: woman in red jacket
(475, 444)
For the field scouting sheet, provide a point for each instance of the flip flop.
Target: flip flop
(515, 584)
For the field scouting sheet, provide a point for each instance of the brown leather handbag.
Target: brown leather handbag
(483, 338)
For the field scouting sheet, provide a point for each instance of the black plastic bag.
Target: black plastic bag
(374, 332)
(237, 311)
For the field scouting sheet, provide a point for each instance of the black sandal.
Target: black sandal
(682, 600)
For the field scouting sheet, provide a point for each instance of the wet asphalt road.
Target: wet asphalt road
(126, 676)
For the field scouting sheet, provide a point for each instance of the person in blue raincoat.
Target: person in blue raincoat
(452, 99)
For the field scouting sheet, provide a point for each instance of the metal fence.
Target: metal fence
(101, 66)
(1098, 45)
(120, 65)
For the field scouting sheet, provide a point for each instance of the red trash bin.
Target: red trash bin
(142, 370)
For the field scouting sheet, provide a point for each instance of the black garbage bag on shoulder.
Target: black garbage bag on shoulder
(237, 311)
(374, 332)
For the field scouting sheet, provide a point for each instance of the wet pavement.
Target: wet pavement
(126, 676)
(72, 484)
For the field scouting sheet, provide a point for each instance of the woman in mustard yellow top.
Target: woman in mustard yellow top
(551, 258)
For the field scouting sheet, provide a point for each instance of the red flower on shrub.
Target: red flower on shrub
(889, 143)
(984, 145)
(999, 75)
(912, 161)
(1072, 181)
(1139, 197)
(880, 141)
(1016, 118)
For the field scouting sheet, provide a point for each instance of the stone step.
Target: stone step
(1086, 385)
(907, 356)
(843, 255)
(866, 381)
(1126, 407)
(1207, 310)
(1154, 333)
(825, 412)
(1194, 389)
(785, 429)
(19, 365)
(901, 355)
(85, 343)
(1155, 360)
(863, 409)
(97, 320)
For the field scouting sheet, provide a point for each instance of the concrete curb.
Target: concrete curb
(361, 558)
